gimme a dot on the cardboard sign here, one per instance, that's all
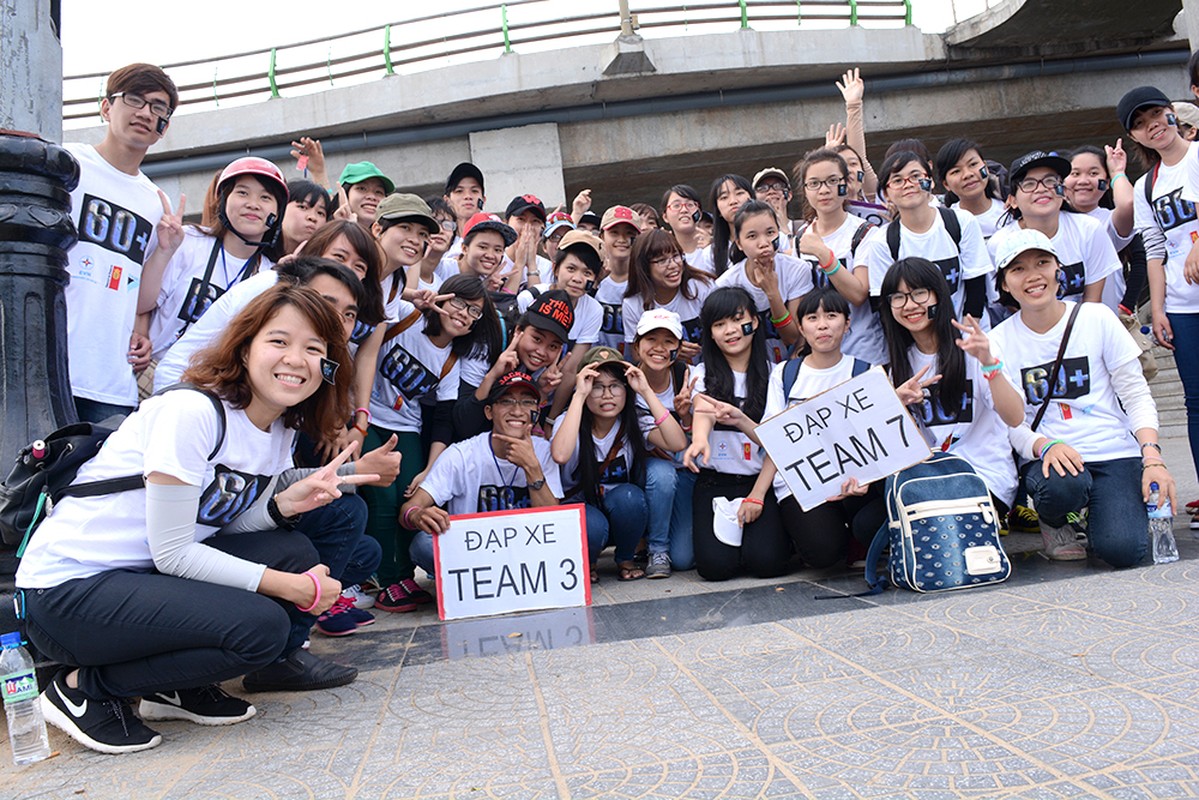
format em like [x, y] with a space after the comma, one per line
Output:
[506, 561]
[858, 429]
[539, 630]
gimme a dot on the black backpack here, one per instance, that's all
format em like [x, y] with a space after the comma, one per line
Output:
[791, 372]
[45, 468]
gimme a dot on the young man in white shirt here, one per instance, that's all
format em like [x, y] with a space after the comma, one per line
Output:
[116, 209]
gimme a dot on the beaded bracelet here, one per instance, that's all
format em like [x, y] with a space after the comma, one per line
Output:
[316, 584]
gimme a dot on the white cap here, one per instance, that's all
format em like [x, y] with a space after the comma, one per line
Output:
[771, 172]
[657, 318]
[1021, 240]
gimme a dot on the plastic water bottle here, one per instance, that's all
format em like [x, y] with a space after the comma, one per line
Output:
[1161, 527]
[26, 726]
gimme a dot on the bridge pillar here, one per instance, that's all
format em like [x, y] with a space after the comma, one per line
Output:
[1190, 19]
[521, 160]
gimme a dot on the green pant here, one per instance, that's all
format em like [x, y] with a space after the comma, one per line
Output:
[383, 505]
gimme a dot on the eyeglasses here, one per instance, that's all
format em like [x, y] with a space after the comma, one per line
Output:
[766, 188]
[814, 185]
[157, 108]
[600, 389]
[528, 403]
[449, 225]
[458, 304]
[900, 299]
[1050, 182]
[900, 181]
[662, 261]
[683, 205]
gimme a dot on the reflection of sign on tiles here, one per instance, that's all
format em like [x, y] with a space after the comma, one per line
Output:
[507, 561]
[858, 429]
[543, 630]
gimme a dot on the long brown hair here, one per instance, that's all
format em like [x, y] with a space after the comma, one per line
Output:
[221, 368]
[368, 250]
[647, 247]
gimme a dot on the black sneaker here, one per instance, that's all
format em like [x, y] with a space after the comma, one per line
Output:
[106, 726]
[299, 671]
[208, 705]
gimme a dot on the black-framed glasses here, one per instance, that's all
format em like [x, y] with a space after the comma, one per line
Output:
[814, 185]
[600, 389]
[900, 299]
[458, 304]
[528, 403]
[157, 108]
[773, 187]
[1050, 182]
[662, 261]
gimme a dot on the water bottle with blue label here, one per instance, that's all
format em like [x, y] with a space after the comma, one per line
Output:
[1161, 526]
[26, 726]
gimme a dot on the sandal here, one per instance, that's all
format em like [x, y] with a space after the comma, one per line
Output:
[629, 571]
[593, 574]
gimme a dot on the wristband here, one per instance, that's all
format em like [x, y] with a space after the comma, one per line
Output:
[998, 365]
[316, 584]
[360, 429]
[1154, 445]
[661, 419]
[753, 500]
[1126, 310]
[1117, 177]
[1048, 445]
[366, 411]
[272, 508]
[781, 321]
[407, 514]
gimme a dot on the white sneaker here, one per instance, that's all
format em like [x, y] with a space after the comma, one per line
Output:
[359, 598]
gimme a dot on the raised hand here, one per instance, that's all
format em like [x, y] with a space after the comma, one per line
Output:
[637, 381]
[508, 360]
[383, 461]
[911, 391]
[586, 379]
[343, 206]
[309, 155]
[835, 136]
[682, 400]
[581, 204]
[551, 377]
[320, 487]
[852, 86]
[1116, 158]
[975, 342]
[170, 226]
[811, 244]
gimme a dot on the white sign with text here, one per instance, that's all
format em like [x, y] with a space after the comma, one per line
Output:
[506, 561]
[858, 429]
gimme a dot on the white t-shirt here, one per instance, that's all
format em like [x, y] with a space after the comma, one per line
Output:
[208, 328]
[171, 434]
[610, 295]
[733, 453]
[808, 383]
[1175, 191]
[115, 215]
[468, 478]
[1085, 411]
[988, 221]
[410, 368]
[688, 310]
[179, 304]
[1083, 249]
[975, 431]
[619, 469]
[935, 244]
[865, 336]
[1114, 286]
[701, 259]
[795, 280]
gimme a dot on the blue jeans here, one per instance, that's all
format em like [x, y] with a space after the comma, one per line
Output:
[1118, 527]
[1186, 329]
[660, 481]
[625, 505]
[95, 412]
[682, 550]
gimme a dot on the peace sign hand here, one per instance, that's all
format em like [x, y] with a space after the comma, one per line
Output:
[682, 400]
[911, 391]
[509, 360]
[1117, 159]
[343, 206]
[170, 226]
[975, 342]
[551, 376]
[320, 487]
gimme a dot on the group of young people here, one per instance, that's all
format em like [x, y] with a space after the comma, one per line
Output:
[330, 371]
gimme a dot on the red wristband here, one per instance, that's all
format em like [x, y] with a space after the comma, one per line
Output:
[753, 500]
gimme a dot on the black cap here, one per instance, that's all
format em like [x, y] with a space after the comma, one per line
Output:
[1136, 99]
[523, 203]
[1037, 158]
[590, 218]
[463, 170]
[513, 380]
[551, 312]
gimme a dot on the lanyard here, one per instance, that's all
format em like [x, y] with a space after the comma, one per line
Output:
[515, 469]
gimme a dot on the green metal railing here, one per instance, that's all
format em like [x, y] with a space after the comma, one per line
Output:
[423, 43]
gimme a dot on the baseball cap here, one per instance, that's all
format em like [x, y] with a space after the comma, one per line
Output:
[360, 171]
[661, 318]
[1187, 113]
[589, 218]
[489, 222]
[1136, 99]
[551, 312]
[770, 172]
[572, 238]
[556, 221]
[617, 215]
[516, 379]
[1037, 158]
[602, 354]
[463, 170]
[407, 206]
[1021, 240]
[523, 203]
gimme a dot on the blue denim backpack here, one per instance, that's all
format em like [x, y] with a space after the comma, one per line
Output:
[942, 529]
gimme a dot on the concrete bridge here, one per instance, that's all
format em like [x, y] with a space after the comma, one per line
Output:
[631, 117]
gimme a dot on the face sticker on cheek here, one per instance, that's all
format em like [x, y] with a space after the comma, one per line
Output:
[747, 328]
[589, 286]
[674, 354]
[329, 371]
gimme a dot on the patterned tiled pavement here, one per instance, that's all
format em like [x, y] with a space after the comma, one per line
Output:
[1067, 681]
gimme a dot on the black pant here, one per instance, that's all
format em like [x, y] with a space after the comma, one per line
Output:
[132, 633]
[765, 550]
[821, 536]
